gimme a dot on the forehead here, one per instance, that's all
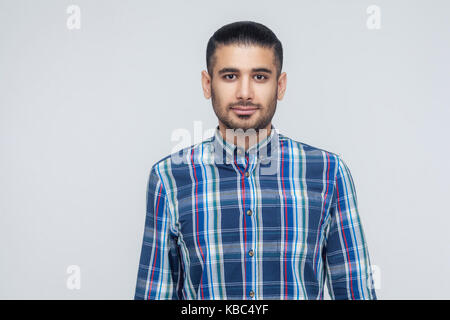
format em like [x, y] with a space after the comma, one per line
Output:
[244, 57]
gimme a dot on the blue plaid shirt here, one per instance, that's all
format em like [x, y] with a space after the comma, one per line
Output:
[272, 222]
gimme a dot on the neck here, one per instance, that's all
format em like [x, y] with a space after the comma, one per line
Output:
[244, 139]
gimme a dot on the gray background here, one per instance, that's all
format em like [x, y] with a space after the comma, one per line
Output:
[85, 113]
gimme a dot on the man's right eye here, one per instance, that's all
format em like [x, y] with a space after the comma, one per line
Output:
[225, 76]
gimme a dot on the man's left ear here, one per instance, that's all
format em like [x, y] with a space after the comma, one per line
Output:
[282, 85]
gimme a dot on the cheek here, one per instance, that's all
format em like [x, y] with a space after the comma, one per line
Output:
[266, 95]
[224, 95]
[226, 89]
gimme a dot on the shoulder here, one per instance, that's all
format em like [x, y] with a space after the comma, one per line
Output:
[308, 150]
[180, 160]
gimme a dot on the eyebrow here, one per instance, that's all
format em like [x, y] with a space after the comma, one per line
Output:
[225, 70]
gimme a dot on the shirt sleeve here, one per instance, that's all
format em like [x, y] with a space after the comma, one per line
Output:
[159, 265]
[349, 273]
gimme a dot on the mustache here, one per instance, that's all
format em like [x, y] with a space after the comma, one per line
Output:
[244, 104]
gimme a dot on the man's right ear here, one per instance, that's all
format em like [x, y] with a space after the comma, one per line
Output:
[206, 84]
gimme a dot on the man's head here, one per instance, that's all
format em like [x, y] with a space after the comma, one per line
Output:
[244, 80]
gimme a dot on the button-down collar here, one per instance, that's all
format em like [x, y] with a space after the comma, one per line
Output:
[263, 150]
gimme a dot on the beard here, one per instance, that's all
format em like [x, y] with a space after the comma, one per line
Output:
[260, 120]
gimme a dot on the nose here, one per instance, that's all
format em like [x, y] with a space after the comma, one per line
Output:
[245, 89]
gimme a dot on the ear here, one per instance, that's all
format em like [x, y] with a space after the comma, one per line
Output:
[206, 84]
[281, 86]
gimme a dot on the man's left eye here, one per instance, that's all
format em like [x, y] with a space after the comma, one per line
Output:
[260, 75]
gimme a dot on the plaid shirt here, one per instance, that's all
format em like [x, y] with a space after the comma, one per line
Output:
[272, 222]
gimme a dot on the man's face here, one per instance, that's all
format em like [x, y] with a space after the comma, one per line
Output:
[244, 87]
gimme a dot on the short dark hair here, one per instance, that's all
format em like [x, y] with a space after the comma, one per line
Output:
[245, 33]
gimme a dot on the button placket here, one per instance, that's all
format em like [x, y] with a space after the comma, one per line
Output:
[249, 225]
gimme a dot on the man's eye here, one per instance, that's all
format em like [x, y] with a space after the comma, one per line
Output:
[260, 76]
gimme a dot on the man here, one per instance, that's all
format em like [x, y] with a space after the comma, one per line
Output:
[250, 213]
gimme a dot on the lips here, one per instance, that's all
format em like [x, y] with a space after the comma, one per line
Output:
[244, 110]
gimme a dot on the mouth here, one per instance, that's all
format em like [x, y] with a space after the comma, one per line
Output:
[244, 110]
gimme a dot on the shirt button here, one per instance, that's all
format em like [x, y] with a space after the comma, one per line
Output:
[251, 294]
[249, 212]
[250, 253]
[247, 174]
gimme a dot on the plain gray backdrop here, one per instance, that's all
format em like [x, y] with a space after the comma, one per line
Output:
[85, 113]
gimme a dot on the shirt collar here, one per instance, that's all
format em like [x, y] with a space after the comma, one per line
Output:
[264, 149]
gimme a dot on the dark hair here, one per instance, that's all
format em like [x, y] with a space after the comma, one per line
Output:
[245, 33]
